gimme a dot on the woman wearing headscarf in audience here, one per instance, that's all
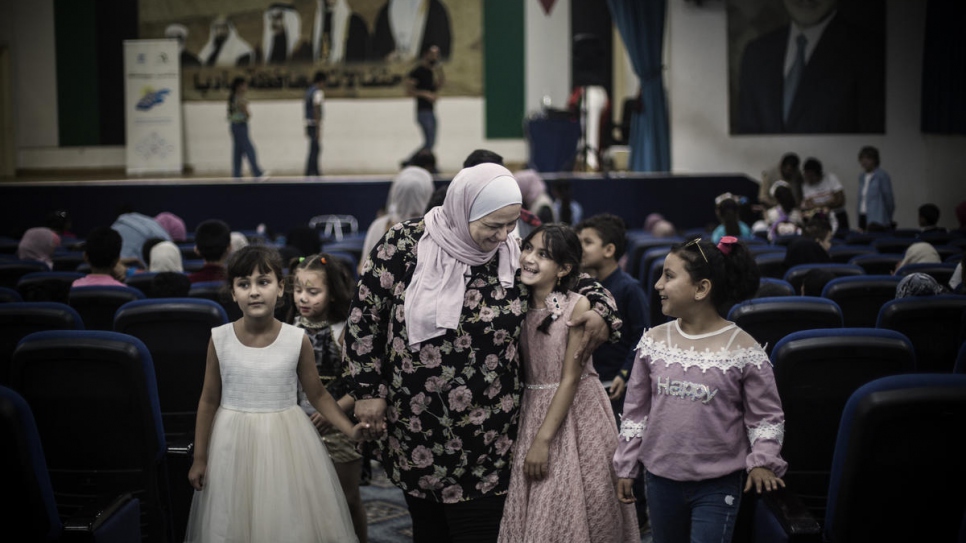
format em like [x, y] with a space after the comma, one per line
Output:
[918, 284]
[238, 240]
[173, 225]
[431, 348]
[409, 193]
[920, 252]
[38, 244]
[165, 257]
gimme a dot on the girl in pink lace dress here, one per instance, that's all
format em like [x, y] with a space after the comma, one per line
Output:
[562, 484]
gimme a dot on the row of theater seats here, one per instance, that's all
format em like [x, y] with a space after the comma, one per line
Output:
[115, 410]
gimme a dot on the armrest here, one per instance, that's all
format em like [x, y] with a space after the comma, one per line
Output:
[789, 510]
[119, 515]
[181, 447]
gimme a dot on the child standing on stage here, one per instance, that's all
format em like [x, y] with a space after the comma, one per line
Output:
[321, 289]
[562, 486]
[261, 471]
[702, 413]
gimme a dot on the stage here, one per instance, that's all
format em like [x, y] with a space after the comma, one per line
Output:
[281, 203]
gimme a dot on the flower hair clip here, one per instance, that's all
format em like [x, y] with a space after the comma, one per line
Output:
[726, 243]
[553, 304]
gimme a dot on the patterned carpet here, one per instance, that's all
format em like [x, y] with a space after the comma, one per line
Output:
[386, 510]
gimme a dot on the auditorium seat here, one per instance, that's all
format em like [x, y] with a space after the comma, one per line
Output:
[49, 286]
[770, 319]
[97, 304]
[142, 281]
[216, 291]
[12, 270]
[816, 371]
[20, 319]
[843, 253]
[30, 510]
[771, 264]
[960, 366]
[796, 274]
[893, 430]
[774, 287]
[862, 238]
[636, 247]
[941, 272]
[95, 400]
[861, 297]
[179, 367]
[892, 245]
[948, 251]
[348, 259]
[644, 267]
[67, 261]
[877, 264]
[8, 295]
[932, 323]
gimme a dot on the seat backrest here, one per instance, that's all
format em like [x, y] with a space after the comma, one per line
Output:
[796, 274]
[97, 304]
[644, 267]
[770, 319]
[29, 507]
[939, 271]
[844, 253]
[50, 286]
[960, 366]
[932, 323]
[20, 319]
[95, 400]
[775, 287]
[816, 371]
[638, 245]
[771, 264]
[889, 245]
[179, 364]
[877, 264]
[861, 297]
[8, 295]
[216, 292]
[11, 271]
[892, 430]
[68, 261]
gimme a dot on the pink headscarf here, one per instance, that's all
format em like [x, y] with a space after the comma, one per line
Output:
[38, 244]
[173, 225]
[434, 297]
[531, 186]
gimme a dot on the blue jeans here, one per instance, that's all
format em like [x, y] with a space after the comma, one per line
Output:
[427, 123]
[312, 165]
[242, 145]
[695, 511]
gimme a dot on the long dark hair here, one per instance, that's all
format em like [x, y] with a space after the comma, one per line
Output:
[338, 282]
[728, 213]
[563, 247]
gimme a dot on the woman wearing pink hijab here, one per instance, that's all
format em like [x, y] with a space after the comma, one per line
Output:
[173, 225]
[431, 346]
[38, 244]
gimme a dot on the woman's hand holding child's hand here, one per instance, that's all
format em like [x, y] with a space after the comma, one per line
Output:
[763, 478]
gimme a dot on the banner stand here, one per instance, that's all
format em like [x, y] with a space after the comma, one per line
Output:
[152, 90]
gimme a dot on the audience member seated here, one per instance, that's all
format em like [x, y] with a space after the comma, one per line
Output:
[165, 257]
[238, 240]
[136, 228]
[173, 225]
[783, 219]
[60, 222]
[929, 219]
[919, 284]
[301, 241]
[786, 170]
[920, 252]
[146, 251]
[38, 244]
[424, 159]
[102, 250]
[656, 225]
[806, 251]
[170, 284]
[409, 193]
[212, 243]
[730, 224]
[482, 156]
[822, 191]
[815, 280]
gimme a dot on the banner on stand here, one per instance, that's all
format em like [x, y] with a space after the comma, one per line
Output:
[152, 88]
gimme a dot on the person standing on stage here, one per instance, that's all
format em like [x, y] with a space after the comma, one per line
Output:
[424, 83]
[314, 97]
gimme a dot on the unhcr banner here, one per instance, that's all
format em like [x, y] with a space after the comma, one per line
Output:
[152, 90]
[365, 47]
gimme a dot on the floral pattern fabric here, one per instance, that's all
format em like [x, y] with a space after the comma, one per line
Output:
[453, 402]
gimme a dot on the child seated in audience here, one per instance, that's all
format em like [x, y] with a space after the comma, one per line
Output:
[929, 219]
[726, 209]
[212, 243]
[102, 250]
[38, 244]
[170, 284]
[784, 219]
[815, 280]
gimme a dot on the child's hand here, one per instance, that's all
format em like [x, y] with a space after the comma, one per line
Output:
[763, 478]
[196, 475]
[537, 463]
[360, 432]
[625, 490]
[321, 423]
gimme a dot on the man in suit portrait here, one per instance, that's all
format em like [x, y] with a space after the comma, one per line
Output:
[819, 73]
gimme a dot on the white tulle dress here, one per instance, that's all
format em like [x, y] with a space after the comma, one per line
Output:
[269, 476]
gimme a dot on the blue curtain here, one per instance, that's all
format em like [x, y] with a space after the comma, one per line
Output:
[641, 25]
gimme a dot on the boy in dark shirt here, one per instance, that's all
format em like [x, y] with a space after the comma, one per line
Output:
[212, 241]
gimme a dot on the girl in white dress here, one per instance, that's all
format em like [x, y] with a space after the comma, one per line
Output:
[260, 470]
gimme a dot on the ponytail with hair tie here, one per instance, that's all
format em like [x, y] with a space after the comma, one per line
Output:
[725, 244]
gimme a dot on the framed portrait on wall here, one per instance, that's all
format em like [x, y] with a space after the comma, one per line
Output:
[806, 66]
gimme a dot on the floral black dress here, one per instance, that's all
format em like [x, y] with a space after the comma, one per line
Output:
[453, 404]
